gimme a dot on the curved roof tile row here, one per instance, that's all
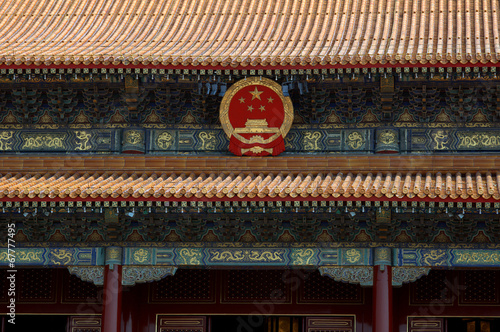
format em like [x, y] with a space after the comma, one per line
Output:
[249, 32]
[250, 185]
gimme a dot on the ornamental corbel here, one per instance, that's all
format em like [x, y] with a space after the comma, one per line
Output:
[403, 275]
[362, 275]
[141, 274]
[93, 274]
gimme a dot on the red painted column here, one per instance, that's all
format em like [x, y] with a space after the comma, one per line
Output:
[382, 298]
[112, 300]
[382, 290]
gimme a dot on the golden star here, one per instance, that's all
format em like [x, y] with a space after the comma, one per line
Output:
[250, 108]
[270, 100]
[262, 108]
[242, 100]
[256, 94]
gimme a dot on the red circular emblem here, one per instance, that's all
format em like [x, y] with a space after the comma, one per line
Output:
[256, 117]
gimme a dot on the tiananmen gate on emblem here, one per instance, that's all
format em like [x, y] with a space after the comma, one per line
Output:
[256, 117]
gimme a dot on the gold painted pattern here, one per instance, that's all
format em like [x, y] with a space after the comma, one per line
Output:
[36, 141]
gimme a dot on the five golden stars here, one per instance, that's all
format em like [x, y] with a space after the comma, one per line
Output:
[256, 95]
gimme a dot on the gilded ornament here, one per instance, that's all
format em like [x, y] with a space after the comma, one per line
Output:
[164, 140]
[208, 140]
[440, 138]
[141, 255]
[387, 137]
[83, 139]
[355, 140]
[303, 257]
[5, 136]
[403, 275]
[434, 257]
[45, 140]
[190, 256]
[353, 255]
[310, 140]
[478, 140]
[134, 137]
[60, 256]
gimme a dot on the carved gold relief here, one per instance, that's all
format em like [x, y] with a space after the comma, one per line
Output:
[353, 256]
[164, 140]
[440, 138]
[134, 137]
[82, 142]
[208, 140]
[475, 140]
[35, 140]
[311, 140]
[355, 140]
[387, 137]
[5, 136]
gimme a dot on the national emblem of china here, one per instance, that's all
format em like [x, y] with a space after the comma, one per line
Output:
[256, 117]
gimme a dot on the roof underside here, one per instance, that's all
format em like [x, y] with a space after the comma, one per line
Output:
[249, 32]
[263, 186]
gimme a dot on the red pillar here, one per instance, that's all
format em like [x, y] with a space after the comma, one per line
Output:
[382, 298]
[112, 301]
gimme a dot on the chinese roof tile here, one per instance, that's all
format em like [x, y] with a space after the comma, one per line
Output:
[253, 186]
[249, 32]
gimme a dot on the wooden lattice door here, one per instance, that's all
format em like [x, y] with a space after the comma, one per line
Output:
[182, 323]
[330, 324]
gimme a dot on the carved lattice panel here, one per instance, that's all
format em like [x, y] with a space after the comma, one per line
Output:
[317, 289]
[181, 323]
[330, 324]
[85, 323]
[38, 285]
[425, 324]
[433, 288]
[481, 287]
[248, 286]
[185, 286]
[76, 290]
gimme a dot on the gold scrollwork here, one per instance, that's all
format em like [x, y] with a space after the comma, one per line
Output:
[34, 141]
[208, 140]
[60, 256]
[164, 140]
[28, 256]
[84, 138]
[311, 140]
[134, 137]
[434, 257]
[477, 257]
[355, 140]
[5, 136]
[387, 137]
[302, 256]
[141, 255]
[440, 138]
[475, 140]
[353, 255]
[190, 256]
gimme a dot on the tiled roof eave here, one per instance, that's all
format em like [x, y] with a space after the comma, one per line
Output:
[245, 34]
[386, 186]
